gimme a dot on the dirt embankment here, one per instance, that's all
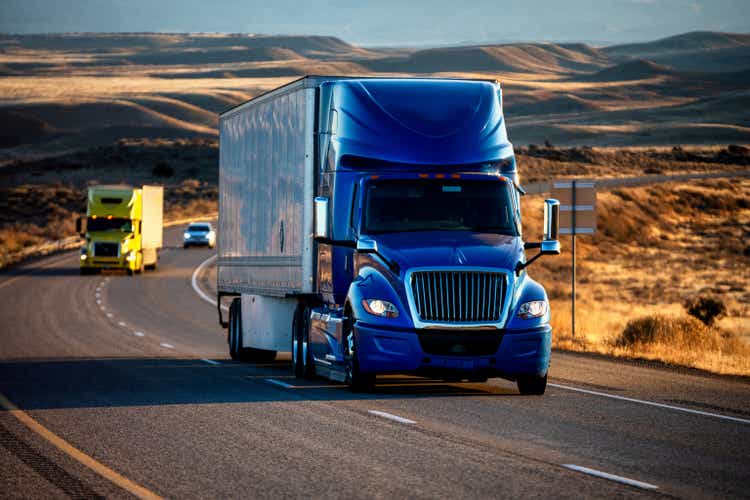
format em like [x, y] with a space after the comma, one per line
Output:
[655, 248]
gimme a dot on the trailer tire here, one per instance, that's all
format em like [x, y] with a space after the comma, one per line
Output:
[236, 350]
[532, 385]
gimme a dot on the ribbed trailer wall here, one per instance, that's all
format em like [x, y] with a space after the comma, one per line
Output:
[266, 194]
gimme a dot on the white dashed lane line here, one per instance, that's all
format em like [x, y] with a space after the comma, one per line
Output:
[121, 323]
[139, 334]
[611, 477]
[166, 346]
[279, 383]
[109, 315]
[390, 416]
[210, 361]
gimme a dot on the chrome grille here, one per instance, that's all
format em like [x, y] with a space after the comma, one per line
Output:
[106, 249]
[458, 296]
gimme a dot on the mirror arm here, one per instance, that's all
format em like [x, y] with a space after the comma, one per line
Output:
[392, 264]
[532, 244]
[523, 265]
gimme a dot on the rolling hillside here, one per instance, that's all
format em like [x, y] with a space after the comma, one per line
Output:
[81, 90]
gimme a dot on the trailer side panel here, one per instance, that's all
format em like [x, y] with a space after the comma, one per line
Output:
[266, 196]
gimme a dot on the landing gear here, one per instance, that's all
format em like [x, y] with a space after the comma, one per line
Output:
[236, 350]
[532, 385]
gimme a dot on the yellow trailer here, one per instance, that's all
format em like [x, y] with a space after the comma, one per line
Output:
[123, 228]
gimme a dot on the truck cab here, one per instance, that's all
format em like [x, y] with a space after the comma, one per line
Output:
[120, 230]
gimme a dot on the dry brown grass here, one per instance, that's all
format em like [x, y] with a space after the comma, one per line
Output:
[654, 247]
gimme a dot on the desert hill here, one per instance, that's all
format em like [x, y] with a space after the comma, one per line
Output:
[697, 51]
[69, 91]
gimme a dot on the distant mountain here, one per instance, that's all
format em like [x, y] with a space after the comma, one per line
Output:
[526, 57]
[695, 51]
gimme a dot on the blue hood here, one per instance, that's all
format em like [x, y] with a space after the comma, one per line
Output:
[420, 121]
[450, 248]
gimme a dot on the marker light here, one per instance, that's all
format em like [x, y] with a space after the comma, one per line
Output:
[381, 308]
[533, 309]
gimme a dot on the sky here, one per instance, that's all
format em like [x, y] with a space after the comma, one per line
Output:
[388, 22]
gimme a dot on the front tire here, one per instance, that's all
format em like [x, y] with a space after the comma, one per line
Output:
[302, 360]
[356, 379]
[532, 385]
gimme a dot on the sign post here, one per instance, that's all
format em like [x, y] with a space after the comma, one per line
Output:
[577, 216]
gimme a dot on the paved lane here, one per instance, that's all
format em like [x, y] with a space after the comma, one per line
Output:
[152, 409]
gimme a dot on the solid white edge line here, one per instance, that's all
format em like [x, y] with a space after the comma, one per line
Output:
[194, 282]
[279, 383]
[210, 361]
[390, 416]
[167, 346]
[653, 403]
[611, 477]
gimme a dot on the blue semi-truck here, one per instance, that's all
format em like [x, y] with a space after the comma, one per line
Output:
[373, 226]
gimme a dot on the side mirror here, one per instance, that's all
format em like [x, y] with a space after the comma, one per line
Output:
[366, 245]
[551, 245]
[81, 226]
[321, 218]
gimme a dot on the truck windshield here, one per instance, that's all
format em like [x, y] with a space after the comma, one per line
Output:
[113, 224]
[394, 206]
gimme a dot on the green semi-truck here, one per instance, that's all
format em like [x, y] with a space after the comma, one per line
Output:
[123, 228]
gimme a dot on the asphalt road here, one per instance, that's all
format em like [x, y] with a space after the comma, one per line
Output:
[133, 374]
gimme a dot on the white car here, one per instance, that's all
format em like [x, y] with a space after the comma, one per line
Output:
[199, 233]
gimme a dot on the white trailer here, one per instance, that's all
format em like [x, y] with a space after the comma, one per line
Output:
[265, 245]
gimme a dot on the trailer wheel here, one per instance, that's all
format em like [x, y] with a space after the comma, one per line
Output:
[236, 350]
[355, 378]
[233, 336]
[532, 385]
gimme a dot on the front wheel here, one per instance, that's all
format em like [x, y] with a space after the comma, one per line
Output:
[532, 385]
[356, 379]
[302, 362]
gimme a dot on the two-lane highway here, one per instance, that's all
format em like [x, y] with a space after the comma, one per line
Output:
[121, 385]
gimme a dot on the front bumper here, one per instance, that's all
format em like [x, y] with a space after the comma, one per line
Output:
[196, 240]
[106, 263]
[518, 352]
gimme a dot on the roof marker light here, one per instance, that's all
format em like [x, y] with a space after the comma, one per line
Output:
[423, 176]
[455, 176]
[440, 176]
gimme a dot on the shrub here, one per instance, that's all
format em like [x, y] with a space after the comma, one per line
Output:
[706, 308]
[162, 169]
[681, 333]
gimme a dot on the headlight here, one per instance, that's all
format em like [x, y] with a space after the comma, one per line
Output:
[533, 309]
[381, 308]
[84, 253]
[130, 257]
[186, 236]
